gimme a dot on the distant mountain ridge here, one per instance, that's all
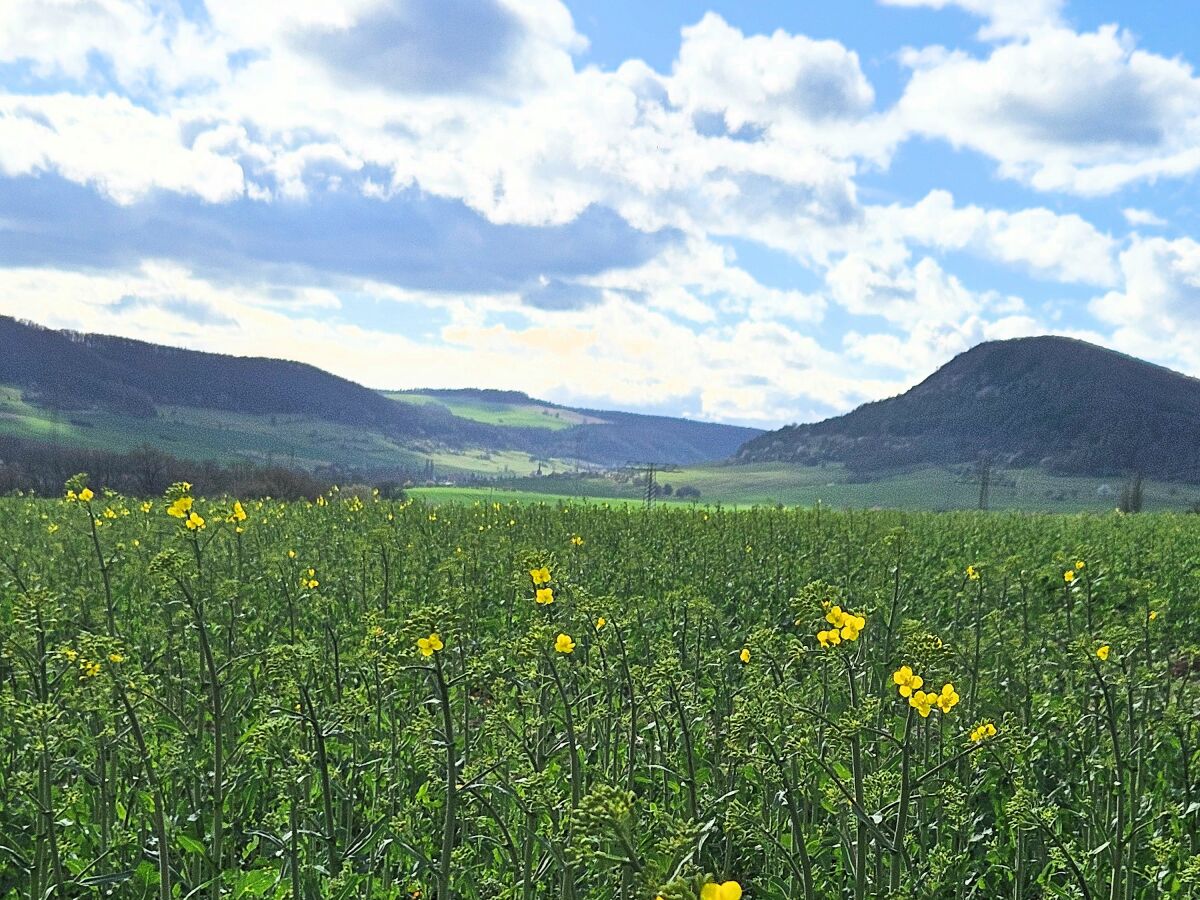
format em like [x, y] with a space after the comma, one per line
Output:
[84, 373]
[1055, 403]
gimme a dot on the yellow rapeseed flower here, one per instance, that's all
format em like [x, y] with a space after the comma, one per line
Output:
[923, 703]
[852, 625]
[1153, 615]
[180, 508]
[835, 617]
[982, 732]
[601, 622]
[89, 668]
[545, 596]
[948, 698]
[430, 645]
[1069, 576]
[116, 658]
[1103, 652]
[729, 890]
[972, 573]
[906, 681]
[830, 638]
[744, 656]
[238, 514]
[1079, 564]
[540, 576]
[86, 495]
[564, 644]
[577, 541]
[195, 522]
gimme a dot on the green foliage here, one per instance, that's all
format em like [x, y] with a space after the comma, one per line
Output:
[359, 698]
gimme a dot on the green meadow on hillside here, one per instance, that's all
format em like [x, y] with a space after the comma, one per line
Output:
[507, 414]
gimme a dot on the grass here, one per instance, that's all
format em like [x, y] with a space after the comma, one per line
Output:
[770, 484]
[494, 462]
[509, 415]
[929, 488]
[439, 495]
[208, 434]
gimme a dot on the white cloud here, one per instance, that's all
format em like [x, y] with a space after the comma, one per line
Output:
[146, 49]
[1005, 18]
[1143, 217]
[921, 350]
[111, 143]
[1051, 245]
[929, 315]
[1062, 111]
[1154, 315]
[762, 79]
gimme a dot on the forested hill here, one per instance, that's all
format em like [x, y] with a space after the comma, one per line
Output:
[72, 371]
[84, 377]
[1055, 403]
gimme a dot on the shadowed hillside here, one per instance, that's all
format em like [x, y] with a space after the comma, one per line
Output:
[141, 390]
[1049, 402]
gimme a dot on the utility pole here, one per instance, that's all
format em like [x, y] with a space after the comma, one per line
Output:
[985, 479]
[651, 485]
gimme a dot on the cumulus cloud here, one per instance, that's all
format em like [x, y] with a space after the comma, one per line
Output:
[1005, 18]
[146, 50]
[760, 79]
[924, 315]
[1142, 217]
[1062, 247]
[1085, 113]
[1154, 312]
[442, 47]
[121, 148]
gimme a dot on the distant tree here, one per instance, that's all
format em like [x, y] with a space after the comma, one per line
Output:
[391, 490]
[1131, 495]
[688, 492]
[150, 468]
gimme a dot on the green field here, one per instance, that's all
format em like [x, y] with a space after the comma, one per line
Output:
[770, 484]
[490, 699]
[436, 495]
[930, 488]
[509, 415]
[208, 434]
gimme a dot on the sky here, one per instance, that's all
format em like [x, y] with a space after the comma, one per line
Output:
[757, 213]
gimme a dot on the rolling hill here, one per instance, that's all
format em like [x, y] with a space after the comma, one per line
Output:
[113, 393]
[1051, 403]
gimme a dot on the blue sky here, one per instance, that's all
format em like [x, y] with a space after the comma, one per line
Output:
[755, 213]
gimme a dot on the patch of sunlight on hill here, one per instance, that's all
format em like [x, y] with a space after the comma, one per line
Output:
[508, 415]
